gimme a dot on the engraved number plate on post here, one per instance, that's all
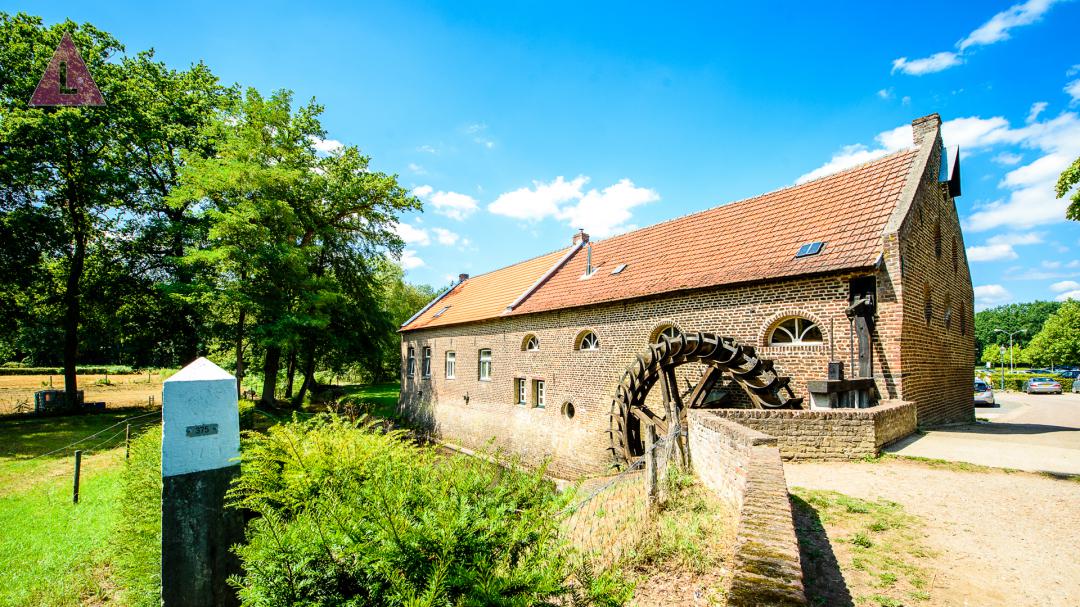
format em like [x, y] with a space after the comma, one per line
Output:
[201, 430]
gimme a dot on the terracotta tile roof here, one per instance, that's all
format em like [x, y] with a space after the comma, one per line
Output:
[486, 295]
[750, 240]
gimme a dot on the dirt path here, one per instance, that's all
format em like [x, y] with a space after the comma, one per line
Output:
[1000, 538]
[122, 391]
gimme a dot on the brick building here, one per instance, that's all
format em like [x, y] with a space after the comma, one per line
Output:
[527, 357]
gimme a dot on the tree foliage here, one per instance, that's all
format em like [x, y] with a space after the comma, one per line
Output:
[1011, 318]
[357, 516]
[1068, 181]
[1059, 340]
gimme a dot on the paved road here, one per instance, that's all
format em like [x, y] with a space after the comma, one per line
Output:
[1037, 432]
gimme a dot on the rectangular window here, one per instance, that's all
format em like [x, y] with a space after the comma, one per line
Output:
[451, 365]
[538, 393]
[410, 363]
[485, 365]
[425, 362]
[519, 386]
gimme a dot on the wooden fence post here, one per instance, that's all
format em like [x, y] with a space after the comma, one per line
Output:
[127, 441]
[200, 456]
[75, 488]
[651, 485]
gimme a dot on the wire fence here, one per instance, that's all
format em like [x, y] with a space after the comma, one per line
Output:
[613, 511]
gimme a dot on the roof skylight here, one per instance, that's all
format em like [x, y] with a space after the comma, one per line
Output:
[440, 312]
[619, 268]
[810, 248]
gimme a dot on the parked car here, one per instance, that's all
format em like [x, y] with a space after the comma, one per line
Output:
[1076, 387]
[1042, 385]
[984, 394]
[1069, 373]
[1038, 372]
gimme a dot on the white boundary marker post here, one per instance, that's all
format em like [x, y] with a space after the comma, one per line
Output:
[200, 455]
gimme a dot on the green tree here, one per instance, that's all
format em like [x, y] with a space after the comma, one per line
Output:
[85, 167]
[1068, 180]
[1010, 318]
[1059, 340]
[291, 232]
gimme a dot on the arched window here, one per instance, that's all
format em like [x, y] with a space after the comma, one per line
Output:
[667, 330]
[795, 331]
[928, 304]
[588, 341]
[530, 343]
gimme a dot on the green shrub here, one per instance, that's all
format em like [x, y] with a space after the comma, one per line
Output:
[136, 541]
[1015, 381]
[356, 516]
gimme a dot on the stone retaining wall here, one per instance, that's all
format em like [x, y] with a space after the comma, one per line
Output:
[743, 467]
[829, 435]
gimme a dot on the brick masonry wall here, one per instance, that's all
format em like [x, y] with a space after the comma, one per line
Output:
[828, 435]
[926, 251]
[579, 446]
[743, 467]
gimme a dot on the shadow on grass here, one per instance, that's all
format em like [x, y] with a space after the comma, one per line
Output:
[822, 578]
[24, 437]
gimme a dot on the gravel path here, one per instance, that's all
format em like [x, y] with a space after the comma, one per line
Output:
[1001, 538]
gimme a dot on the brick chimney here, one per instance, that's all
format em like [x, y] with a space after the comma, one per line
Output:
[927, 126]
[581, 236]
[463, 277]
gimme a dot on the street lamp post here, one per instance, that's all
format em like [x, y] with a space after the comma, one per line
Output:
[1011, 366]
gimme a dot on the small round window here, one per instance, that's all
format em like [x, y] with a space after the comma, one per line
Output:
[795, 331]
[568, 410]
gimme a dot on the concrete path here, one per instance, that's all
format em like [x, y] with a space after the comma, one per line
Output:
[1038, 433]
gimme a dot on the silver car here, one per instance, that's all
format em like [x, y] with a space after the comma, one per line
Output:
[1042, 385]
[984, 394]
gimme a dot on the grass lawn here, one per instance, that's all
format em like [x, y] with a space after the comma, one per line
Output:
[54, 552]
[382, 397]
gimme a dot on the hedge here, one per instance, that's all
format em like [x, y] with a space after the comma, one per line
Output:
[102, 370]
[1015, 382]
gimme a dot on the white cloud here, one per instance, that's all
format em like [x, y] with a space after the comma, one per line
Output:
[885, 93]
[477, 130]
[1073, 89]
[1036, 109]
[451, 204]
[417, 169]
[991, 295]
[454, 205]
[1069, 295]
[410, 261]
[1007, 158]
[326, 146]
[427, 149]
[1065, 285]
[927, 65]
[445, 236]
[1017, 238]
[994, 30]
[412, 234]
[853, 155]
[991, 252]
[601, 213]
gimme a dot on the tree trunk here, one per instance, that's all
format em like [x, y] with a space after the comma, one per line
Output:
[240, 353]
[309, 376]
[290, 373]
[72, 300]
[271, 361]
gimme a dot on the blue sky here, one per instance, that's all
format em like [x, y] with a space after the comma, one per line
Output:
[518, 123]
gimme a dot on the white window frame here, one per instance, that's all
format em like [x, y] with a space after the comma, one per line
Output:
[668, 331]
[589, 345]
[410, 362]
[451, 364]
[520, 387]
[483, 367]
[539, 393]
[532, 344]
[803, 326]
[425, 361]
